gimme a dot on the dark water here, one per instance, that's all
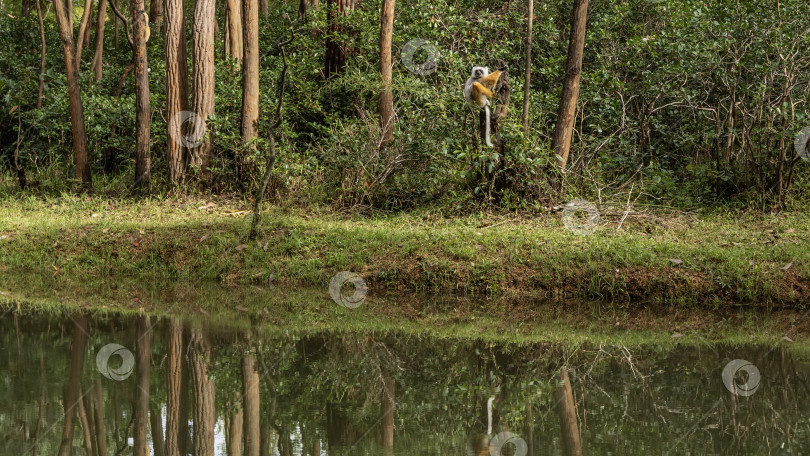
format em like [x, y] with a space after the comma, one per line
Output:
[325, 393]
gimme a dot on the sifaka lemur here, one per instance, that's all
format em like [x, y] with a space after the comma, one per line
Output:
[478, 91]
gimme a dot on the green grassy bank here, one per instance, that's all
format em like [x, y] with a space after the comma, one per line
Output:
[718, 260]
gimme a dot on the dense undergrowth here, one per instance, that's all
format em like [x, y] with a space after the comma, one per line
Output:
[683, 104]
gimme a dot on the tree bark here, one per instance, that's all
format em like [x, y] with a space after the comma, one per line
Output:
[156, 425]
[65, 23]
[250, 387]
[235, 39]
[566, 410]
[84, 27]
[250, 73]
[233, 427]
[203, 73]
[73, 386]
[41, 56]
[336, 51]
[98, 55]
[199, 359]
[155, 14]
[527, 77]
[386, 98]
[84, 421]
[176, 86]
[174, 390]
[143, 121]
[563, 131]
[142, 370]
[264, 7]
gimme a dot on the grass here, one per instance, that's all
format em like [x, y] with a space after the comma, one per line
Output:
[707, 261]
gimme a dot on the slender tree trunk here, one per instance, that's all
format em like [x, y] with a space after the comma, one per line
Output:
[174, 391]
[199, 359]
[203, 73]
[528, 75]
[142, 370]
[176, 86]
[234, 426]
[156, 425]
[115, 22]
[98, 55]
[84, 421]
[235, 39]
[42, 390]
[250, 387]
[143, 121]
[386, 98]
[563, 131]
[568, 416]
[250, 73]
[64, 20]
[387, 414]
[41, 56]
[73, 386]
[155, 14]
[84, 28]
[264, 7]
[98, 403]
[336, 51]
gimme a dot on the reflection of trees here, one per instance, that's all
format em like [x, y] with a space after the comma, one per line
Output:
[73, 386]
[330, 393]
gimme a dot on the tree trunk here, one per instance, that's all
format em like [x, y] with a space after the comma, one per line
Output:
[528, 74]
[41, 56]
[203, 73]
[176, 86]
[174, 369]
[568, 416]
[250, 73]
[98, 403]
[199, 359]
[264, 7]
[563, 131]
[84, 421]
[84, 28]
[386, 98]
[143, 121]
[336, 51]
[155, 13]
[156, 425]
[142, 367]
[235, 39]
[65, 23]
[387, 414]
[233, 427]
[98, 55]
[73, 386]
[250, 388]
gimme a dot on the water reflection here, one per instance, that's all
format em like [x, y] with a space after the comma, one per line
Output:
[201, 389]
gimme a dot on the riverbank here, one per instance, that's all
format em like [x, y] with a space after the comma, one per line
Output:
[752, 260]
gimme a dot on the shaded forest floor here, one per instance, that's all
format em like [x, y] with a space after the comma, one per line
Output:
[750, 260]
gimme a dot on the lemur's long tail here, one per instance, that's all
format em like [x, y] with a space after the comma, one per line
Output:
[489, 143]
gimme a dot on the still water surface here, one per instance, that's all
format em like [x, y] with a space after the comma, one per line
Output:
[147, 385]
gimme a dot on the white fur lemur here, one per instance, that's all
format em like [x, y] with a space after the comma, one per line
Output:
[478, 91]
